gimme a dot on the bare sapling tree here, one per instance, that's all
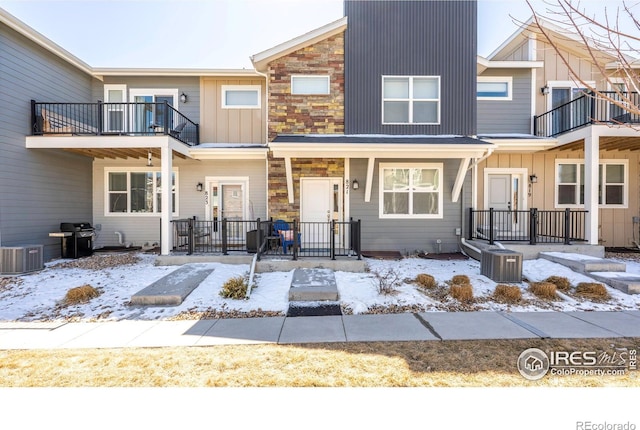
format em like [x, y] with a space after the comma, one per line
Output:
[611, 40]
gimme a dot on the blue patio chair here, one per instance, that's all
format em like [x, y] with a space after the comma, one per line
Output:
[282, 229]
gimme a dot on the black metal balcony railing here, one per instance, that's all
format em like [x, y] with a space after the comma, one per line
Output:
[304, 239]
[533, 226]
[98, 119]
[587, 109]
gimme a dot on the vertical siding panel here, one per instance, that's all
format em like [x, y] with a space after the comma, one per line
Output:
[410, 38]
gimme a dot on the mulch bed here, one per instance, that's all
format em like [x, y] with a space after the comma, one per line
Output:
[444, 256]
[383, 255]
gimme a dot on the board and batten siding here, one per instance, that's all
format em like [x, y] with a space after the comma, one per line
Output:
[616, 228]
[507, 116]
[188, 85]
[39, 188]
[408, 235]
[141, 229]
[410, 38]
[220, 125]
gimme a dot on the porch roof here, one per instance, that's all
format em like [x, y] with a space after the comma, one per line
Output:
[378, 139]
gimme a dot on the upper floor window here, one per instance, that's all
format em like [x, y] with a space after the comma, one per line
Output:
[310, 84]
[495, 88]
[612, 183]
[410, 190]
[411, 99]
[241, 96]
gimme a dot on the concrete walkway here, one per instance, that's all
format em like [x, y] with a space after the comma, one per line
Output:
[427, 326]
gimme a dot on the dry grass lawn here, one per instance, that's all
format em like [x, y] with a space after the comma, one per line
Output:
[375, 364]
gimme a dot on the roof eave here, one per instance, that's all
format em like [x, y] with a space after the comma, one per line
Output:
[261, 59]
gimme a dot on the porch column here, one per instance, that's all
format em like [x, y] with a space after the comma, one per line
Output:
[166, 167]
[591, 163]
[369, 181]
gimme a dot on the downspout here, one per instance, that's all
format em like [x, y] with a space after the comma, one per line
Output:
[481, 159]
[266, 134]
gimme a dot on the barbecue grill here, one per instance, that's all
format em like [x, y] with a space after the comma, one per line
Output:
[76, 239]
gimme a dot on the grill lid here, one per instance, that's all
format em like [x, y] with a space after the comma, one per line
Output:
[76, 226]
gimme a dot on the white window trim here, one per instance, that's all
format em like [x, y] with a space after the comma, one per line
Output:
[325, 77]
[506, 79]
[410, 100]
[625, 184]
[438, 166]
[173, 92]
[564, 84]
[116, 87]
[156, 210]
[225, 88]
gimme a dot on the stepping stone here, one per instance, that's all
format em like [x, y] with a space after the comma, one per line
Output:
[172, 289]
[313, 285]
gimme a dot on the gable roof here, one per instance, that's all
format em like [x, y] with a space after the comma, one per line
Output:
[261, 59]
[41, 40]
[28, 32]
[566, 38]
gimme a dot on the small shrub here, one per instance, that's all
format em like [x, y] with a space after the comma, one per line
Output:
[562, 283]
[386, 281]
[426, 281]
[235, 288]
[460, 280]
[592, 290]
[80, 294]
[462, 293]
[507, 293]
[544, 290]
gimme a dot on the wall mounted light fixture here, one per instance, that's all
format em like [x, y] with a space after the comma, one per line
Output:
[533, 178]
[183, 98]
[354, 184]
[544, 90]
[149, 163]
[199, 186]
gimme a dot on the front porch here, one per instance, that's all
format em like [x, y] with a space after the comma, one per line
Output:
[267, 238]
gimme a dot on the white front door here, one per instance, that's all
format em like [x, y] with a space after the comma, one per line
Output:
[227, 198]
[504, 192]
[320, 202]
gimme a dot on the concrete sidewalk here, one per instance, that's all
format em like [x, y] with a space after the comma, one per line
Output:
[428, 326]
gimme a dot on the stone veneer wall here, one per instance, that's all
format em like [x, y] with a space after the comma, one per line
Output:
[279, 207]
[300, 114]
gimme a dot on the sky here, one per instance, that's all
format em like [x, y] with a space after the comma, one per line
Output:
[214, 33]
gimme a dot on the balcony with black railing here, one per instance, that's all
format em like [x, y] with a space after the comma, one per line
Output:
[605, 107]
[109, 119]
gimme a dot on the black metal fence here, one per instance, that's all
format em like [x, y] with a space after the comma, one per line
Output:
[532, 226]
[96, 119]
[268, 238]
[606, 107]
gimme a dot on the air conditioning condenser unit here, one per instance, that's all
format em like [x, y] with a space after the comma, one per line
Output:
[501, 265]
[16, 260]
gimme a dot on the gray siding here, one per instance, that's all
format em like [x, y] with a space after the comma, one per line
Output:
[38, 188]
[189, 85]
[406, 235]
[146, 228]
[507, 116]
[431, 38]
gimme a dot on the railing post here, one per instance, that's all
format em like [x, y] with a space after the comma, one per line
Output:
[295, 239]
[567, 226]
[190, 237]
[358, 243]
[593, 106]
[471, 222]
[100, 117]
[197, 134]
[34, 121]
[167, 127]
[224, 237]
[491, 229]
[258, 239]
[535, 125]
[533, 226]
[333, 239]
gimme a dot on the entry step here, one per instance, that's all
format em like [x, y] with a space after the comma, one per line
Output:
[584, 263]
[313, 285]
[172, 289]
